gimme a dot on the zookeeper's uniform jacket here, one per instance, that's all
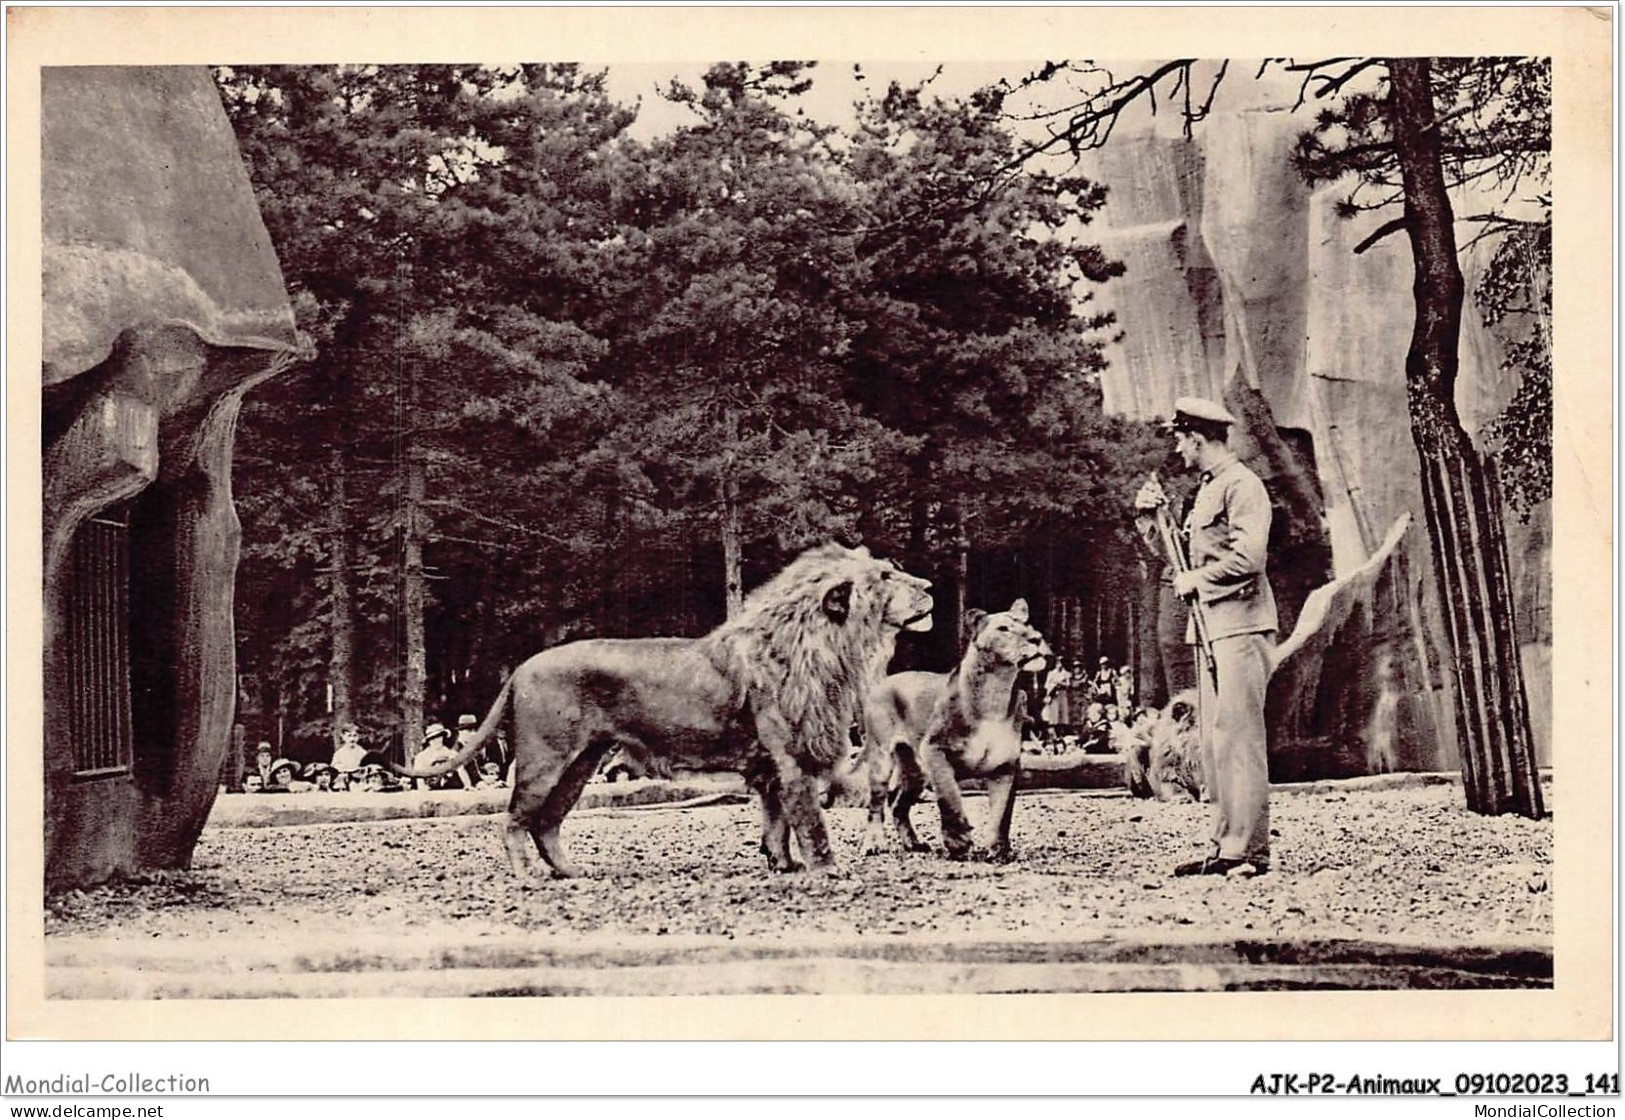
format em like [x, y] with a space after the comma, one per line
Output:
[1229, 530]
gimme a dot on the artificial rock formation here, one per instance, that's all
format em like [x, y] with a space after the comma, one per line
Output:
[163, 303]
[1242, 285]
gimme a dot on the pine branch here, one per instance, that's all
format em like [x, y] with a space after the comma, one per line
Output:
[485, 518]
[1381, 232]
[1330, 84]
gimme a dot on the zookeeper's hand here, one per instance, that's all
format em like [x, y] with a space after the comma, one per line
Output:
[1185, 584]
[1150, 495]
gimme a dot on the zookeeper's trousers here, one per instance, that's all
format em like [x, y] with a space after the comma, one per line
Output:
[1235, 745]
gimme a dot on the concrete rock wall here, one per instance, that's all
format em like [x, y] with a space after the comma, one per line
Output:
[1242, 284]
[163, 305]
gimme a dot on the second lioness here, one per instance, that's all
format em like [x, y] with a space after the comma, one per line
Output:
[971, 729]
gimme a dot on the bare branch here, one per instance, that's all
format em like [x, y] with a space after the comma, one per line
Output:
[1502, 220]
[1330, 85]
[1091, 127]
[1495, 225]
[1310, 67]
[1310, 70]
[1382, 231]
[1207, 103]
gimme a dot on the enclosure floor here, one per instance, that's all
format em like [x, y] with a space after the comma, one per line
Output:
[1089, 889]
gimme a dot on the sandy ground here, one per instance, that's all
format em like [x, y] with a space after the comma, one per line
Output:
[1408, 865]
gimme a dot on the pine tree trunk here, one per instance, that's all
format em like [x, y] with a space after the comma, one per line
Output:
[919, 515]
[1131, 656]
[412, 597]
[237, 760]
[341, 617]
[733, 581]
[281, 715]
[474, 638]
[961, 583]
[1459, 491]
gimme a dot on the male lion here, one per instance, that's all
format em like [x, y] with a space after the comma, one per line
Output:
[770, 693]
[967, 723]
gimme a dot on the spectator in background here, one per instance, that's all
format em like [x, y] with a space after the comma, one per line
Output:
[320, 776]
[1056, 709]
[437, 749]
[372, 777]
[1096, 730]
[1125, 691]
[507, 756]
[1103, 686]
[1116, 721]
[348, 754]
[467, 729]
[284, 777]
[262, 763]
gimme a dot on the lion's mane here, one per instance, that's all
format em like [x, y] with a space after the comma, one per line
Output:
[792, 656]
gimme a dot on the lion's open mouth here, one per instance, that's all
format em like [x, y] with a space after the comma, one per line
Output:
[920, 622]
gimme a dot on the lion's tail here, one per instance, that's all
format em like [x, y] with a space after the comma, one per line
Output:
[492, 718]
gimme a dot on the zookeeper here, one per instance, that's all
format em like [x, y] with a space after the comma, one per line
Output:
[1228, 531]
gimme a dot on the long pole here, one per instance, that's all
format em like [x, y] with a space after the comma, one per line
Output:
[1181, 563]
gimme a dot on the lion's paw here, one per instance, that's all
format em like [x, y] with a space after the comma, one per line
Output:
[872, 844]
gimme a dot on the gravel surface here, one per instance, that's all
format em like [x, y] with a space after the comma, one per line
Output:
[1410, 865]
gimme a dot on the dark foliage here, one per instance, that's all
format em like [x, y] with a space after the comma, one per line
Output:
[598, 380]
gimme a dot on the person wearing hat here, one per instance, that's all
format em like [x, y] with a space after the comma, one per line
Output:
[1227, 536]
[372, 777]
[284, 777]
[436, 749]
[472, 771]
[319, 775]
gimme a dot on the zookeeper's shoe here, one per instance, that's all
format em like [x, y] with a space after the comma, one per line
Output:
[1222, 865]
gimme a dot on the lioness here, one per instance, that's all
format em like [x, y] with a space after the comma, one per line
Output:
[965, 724]
[770, 693]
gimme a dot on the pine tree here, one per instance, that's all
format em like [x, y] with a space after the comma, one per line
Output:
[977, 343]
[731, 338]
[418, 220]
[1428, 126]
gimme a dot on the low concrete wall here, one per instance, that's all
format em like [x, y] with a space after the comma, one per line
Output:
[1098, 772]
[261, 810]
[543, 964]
